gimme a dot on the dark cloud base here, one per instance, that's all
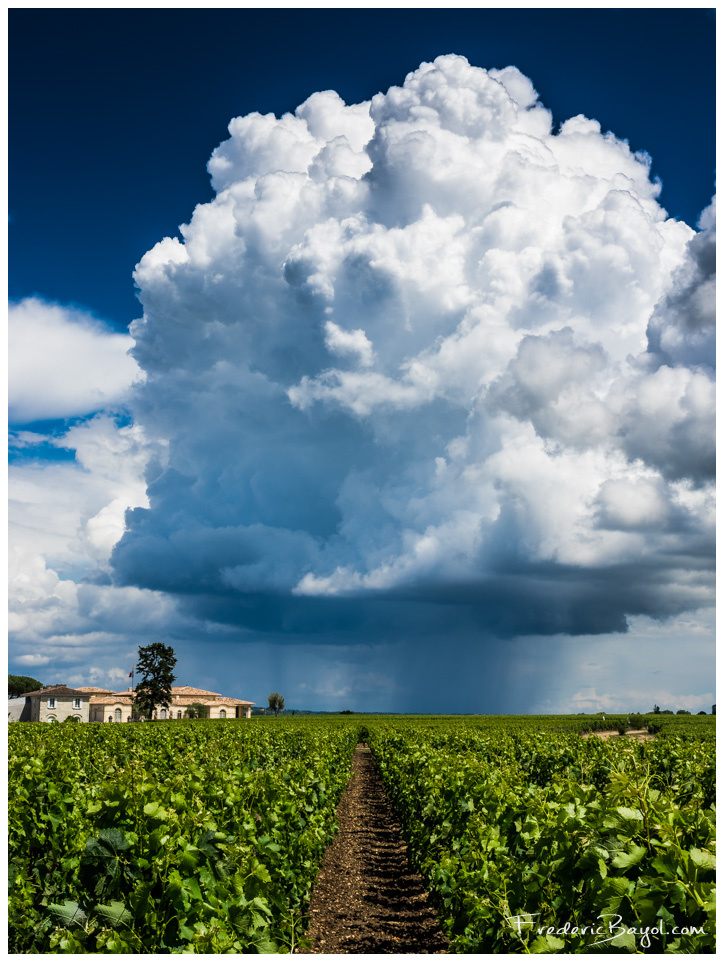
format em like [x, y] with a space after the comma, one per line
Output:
[542, 600]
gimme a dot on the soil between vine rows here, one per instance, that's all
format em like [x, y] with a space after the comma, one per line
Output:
[367, 898]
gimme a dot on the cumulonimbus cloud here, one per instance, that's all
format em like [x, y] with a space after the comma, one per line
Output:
[428, 348]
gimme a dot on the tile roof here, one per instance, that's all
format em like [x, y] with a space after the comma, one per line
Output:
[181, 695]
[57, 690]
[110, 697]
[220, 700]
[93, 690]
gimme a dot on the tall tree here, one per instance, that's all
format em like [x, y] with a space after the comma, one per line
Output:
[20, 684]
[276, 702]
[155, 663]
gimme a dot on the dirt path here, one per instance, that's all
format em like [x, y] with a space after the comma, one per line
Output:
[367, 898]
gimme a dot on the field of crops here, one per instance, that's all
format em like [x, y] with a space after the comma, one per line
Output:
[195, 836]
[524, 836]
[206, 837]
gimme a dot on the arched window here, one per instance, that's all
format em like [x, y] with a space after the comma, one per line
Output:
[117, 714]
[179, 715]
[128, 719]
[162, 713]
[52, 718]
[110, 718]
[222, 713]
[77, 718]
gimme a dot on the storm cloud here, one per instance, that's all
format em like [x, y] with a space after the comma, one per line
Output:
[426, 364]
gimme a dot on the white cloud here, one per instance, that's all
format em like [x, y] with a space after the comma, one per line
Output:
[64, 518]
[64, 363]
[682, 328]
[628, 504]
[70, 512]
[33, 660]
[667, 419]
[115, 678]
[429, 342]
[349, 343]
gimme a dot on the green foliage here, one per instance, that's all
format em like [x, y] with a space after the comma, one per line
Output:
[21, 684]
[145, 839]
[276, 702]
[206, 839]
[73, 719]
[557, 833]
[636, 721]
[196, 710]
[155, 663]
[654, 727]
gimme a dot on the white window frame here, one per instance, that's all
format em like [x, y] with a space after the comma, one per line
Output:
[222, 713]
[51, 703]
[77, 703]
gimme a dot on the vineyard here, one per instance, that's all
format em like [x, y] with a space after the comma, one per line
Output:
[207, 837]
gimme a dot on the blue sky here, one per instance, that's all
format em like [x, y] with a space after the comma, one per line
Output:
[419, 398]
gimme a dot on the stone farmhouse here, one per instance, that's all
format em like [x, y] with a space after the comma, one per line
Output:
[89, 704]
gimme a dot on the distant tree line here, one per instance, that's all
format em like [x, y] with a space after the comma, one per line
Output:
[668, 711]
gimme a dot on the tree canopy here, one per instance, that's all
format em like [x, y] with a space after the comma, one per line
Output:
[196, 710]
[20, 684]
[276, 702]
[155, 663]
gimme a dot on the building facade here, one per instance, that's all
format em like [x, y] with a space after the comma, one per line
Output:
[56, 703]
[90, 704]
